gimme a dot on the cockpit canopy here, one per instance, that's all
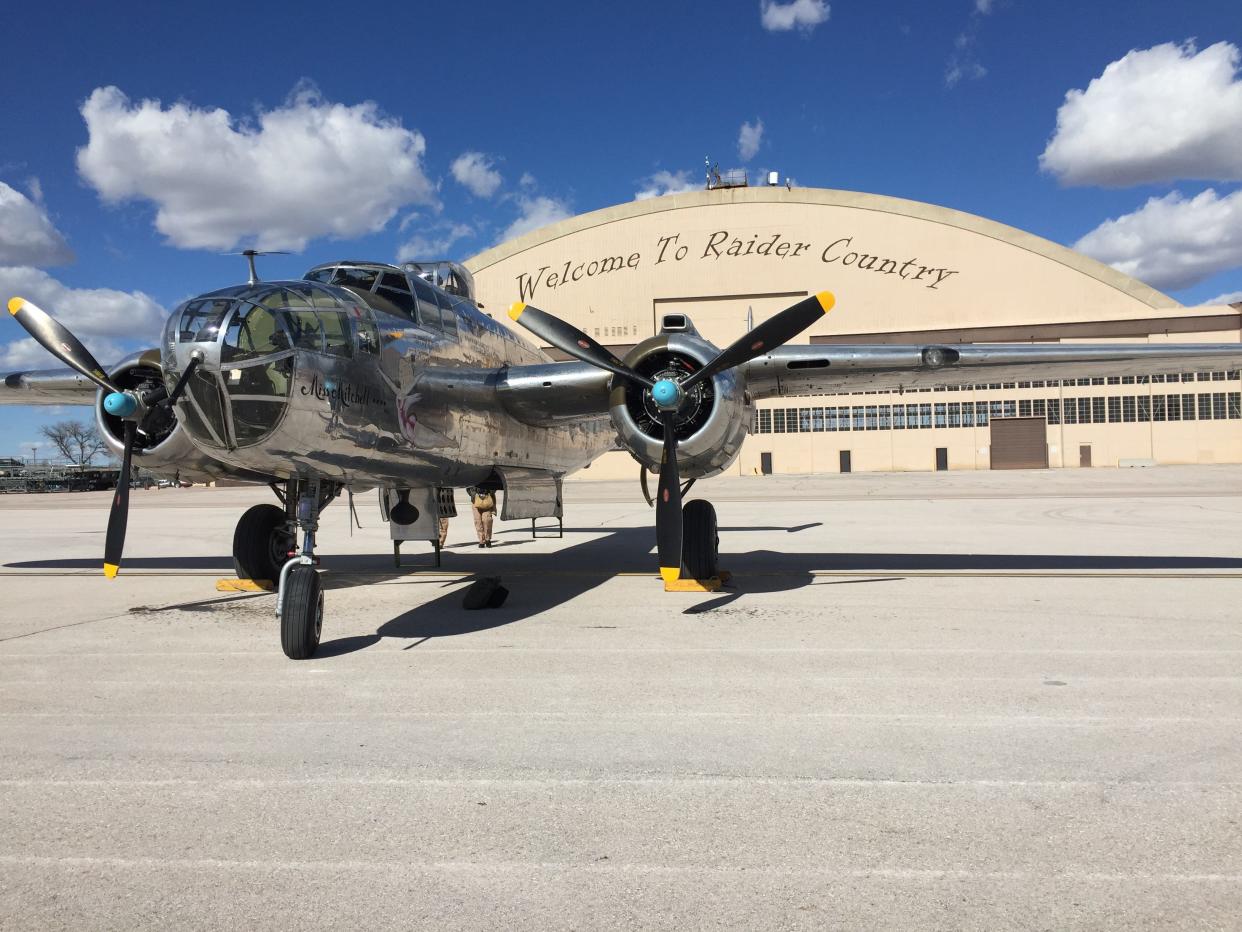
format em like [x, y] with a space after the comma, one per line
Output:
[448, 276]
[257, 320]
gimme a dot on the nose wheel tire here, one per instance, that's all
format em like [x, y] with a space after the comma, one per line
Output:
[700, 549]
[301, 616]
[261, 543]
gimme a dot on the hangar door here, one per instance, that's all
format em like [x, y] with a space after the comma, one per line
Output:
[1019, 443]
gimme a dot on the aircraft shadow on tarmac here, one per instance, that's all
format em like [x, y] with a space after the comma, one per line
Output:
[539, 581]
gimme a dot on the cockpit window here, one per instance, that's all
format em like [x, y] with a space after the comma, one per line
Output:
[253, 331]
[200, 321]
[428, 308]
[355, 278]
[320, 330]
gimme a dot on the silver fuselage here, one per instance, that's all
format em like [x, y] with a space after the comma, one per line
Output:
[303, 379]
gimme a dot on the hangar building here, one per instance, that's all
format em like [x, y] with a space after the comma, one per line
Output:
[902, 271]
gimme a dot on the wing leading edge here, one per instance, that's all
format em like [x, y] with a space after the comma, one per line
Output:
[831, 369]
[47, 387]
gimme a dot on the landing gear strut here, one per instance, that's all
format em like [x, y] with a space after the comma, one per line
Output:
[265, 547]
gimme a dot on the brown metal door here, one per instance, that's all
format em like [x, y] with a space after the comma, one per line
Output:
[1020, 443]
[765, 463]
[942, 459]
[846, 465]
[1084, 455]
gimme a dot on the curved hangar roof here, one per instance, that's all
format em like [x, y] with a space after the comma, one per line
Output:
[894, 265]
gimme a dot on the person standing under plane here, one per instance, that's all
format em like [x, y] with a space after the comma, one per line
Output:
[483, 504]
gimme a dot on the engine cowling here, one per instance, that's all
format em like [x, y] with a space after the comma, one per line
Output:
[712, 422]
[161, 447]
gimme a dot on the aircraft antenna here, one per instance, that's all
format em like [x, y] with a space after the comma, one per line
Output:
[250, 254]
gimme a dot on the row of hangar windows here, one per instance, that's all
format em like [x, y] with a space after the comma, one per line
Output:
[1232, 376]
[1112, 409]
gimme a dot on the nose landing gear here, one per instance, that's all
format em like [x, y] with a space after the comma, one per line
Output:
[265, 548]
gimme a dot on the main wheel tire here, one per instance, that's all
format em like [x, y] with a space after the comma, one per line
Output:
[301, 613]
[700, 547]
[261, 543]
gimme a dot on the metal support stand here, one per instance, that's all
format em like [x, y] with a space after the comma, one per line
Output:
[547, 528]
[396, 553]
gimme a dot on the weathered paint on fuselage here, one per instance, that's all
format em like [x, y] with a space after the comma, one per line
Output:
[392, 413]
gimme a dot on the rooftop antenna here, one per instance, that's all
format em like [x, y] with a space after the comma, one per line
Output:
[251, 253]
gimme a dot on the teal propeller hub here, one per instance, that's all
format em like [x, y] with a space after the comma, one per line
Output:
[665, 393]
[119, 404]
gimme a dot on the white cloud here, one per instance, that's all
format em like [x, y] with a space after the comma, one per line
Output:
[27, 236]
[1231, 297]
[663, 182]
[963, 63]
[1171, 242]
[305, 169]
[963, 68]
[749, 137]
[1155, 115]
[536, 212]
[800, 14]
[87, 312]
[474, 172]
[433, 242]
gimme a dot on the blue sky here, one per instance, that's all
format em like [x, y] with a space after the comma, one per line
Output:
[374, 130]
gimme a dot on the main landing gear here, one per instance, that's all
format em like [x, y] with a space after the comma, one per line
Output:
[700, 548]
[265, 548]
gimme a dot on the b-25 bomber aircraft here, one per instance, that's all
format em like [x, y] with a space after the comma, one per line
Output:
[364, 375]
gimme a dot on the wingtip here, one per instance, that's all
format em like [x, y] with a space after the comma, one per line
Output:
[516, 309]
[110, 570]
[826, 300]
[16, 304]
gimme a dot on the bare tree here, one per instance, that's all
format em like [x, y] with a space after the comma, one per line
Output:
[77, 441]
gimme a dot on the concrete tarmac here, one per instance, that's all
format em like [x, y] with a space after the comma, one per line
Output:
[954, 701]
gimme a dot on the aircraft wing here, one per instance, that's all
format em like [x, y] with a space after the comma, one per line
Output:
[47, 387]
[835, 368]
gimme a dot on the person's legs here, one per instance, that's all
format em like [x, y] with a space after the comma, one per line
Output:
[478, 526]
[487, 527]
[443, 531]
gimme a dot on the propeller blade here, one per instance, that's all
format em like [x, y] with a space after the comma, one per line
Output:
[570, 339]
[54, 337]
[668, 504]
[118, 518]
[770, 334]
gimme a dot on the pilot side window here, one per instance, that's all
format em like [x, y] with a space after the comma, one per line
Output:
[395, 290]
[448, 317]
[362, 279]
[428, 307]
[320, 330]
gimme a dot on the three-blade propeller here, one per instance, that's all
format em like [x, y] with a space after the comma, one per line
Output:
[129, 406]
[669, 394]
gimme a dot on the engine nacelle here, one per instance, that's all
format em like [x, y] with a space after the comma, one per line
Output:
[162, 447]
[712, 422]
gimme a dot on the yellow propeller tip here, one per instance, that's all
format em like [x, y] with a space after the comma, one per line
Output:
[670, 573]
[110, 570]
[826, 300]
[516, 309]
[16, 304]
